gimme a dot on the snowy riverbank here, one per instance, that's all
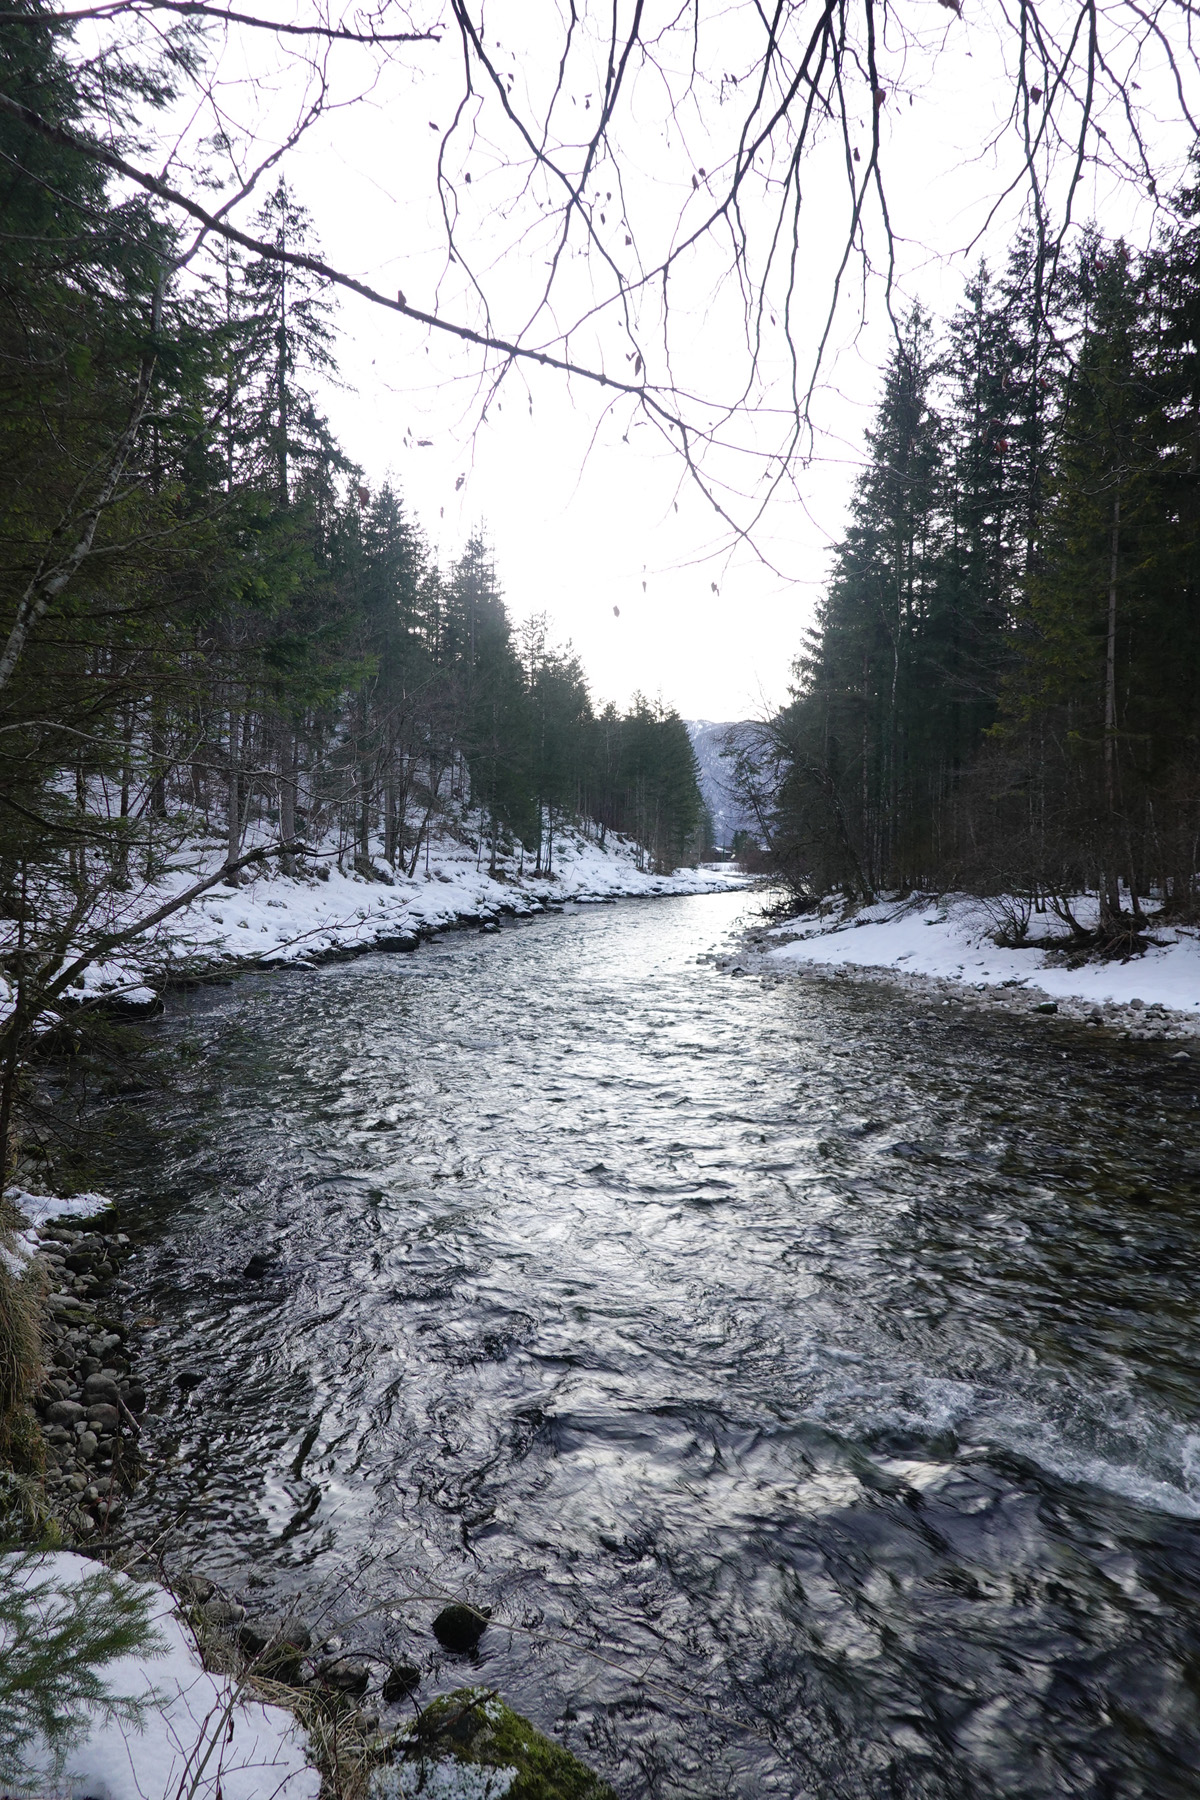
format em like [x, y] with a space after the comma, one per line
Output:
[161, 1724]
[949, 942]
[274, 920]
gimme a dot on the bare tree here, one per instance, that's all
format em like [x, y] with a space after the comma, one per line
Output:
[759, 117]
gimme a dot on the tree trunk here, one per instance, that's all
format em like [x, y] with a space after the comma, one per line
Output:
[1110, 886]
[234, 790]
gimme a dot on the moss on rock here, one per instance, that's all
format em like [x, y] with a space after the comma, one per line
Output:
[470, 1744]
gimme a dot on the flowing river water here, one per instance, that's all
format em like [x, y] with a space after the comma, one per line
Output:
[807, 1378]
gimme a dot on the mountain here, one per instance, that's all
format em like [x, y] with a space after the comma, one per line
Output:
[709, 738]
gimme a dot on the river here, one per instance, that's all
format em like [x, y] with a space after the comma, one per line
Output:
[807, 1378]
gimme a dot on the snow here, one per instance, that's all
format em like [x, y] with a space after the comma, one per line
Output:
[254, 1752]
[38, 1210]
[276, 919]
[442, 1778]
[952, 938]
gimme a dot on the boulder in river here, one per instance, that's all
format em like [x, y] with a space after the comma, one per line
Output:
[473, 1730]
[459, 1628]
[277, 1643]
[401, 1680]
[220, 1613]
[345, 1674]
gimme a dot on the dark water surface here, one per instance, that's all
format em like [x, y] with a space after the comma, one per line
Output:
[808, 1379]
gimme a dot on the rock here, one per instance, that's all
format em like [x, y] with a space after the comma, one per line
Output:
[475, 1729]
[258, 1265]
[274, 1629]
[64, 1412]
[220, 1613]
[187, 1379]
[101, 1390]
[104, 1418]
[459, 1628]
[195, 1588]
[401, 1680]
[86, 1446]
[1047, 1006]
[345, 1674]
[277, 1644]
[1181, 1056]
[135, 1398]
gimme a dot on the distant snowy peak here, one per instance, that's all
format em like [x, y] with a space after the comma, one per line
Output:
[709, 739]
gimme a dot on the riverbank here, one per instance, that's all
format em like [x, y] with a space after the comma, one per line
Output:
[208, 1689]
[328, 908]
[147, 1699]
[945, 946]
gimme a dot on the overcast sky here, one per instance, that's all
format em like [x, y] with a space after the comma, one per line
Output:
[586, 514]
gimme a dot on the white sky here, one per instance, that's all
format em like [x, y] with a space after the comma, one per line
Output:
[581, 520]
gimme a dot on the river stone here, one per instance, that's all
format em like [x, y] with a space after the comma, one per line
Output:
[187, 1379]
[472, 1729]
[401, 1680]
[459, 1628]
[274, 1628]
[221, 1613]
[195, 1588]
[346, 1674]
[1047, 1006]
[101, 1389]
[277, 1646]
[86, 1446]
[258, 1265]
[64, 1412]
[103, 1418]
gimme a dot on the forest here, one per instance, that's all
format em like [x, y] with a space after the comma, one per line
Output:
[1001, 690]
[212, 623]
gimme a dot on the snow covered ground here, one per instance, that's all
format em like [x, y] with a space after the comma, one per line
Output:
[274, 919]
[200, 1735]
[950, 939]
[38, 1210]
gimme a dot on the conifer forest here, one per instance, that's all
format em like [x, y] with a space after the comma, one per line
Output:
[1001, 690]
[213, 621]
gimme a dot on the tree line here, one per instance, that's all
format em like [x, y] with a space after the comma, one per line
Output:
[1001, 690]
[213, 630]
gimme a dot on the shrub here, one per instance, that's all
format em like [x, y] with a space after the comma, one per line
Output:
[58, 1637]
